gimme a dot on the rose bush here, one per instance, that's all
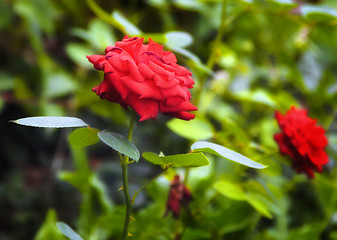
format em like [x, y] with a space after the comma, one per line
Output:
[145, 78]
[302, 140]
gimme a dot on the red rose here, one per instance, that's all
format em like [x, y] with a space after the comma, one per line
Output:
[146, 78]
[178, 195]
[302, 140]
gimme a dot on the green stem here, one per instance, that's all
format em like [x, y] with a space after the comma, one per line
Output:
[124, 163]
[186, 175]
[103, 15]
[215, 48]
[221, 31]
[146, 184]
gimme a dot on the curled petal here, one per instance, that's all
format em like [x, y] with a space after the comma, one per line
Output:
[184, 106]
[146, 108]
[145, 78]
[97, 60]
[181, 115]
[302, 140]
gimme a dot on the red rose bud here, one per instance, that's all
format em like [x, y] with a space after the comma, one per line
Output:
[302, 140]
[179, 195]
[146, 78]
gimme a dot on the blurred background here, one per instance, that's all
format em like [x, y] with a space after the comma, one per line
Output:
[248, 60]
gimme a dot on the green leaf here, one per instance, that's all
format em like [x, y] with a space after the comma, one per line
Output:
[99, 34]
[178, 39]
[318, 13]
[179, 160]
[230, 190]
[83, 137]
[129, 27]
[67, 231]
[51, 122]
[259, 96]
[260, 203]
[6, 80]
[48, 230]
[289, 3]
[225, 153]
[77, 53]
[120, 144]
[197, 129]
[59, 84]
[191, 56]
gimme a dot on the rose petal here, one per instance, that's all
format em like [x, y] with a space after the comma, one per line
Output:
[181, 115]
[146, 89]
[164, 83]
[175, 100]
[97, 60]
[145, 78]
[146, 71]
[184, 106]
[146, 108]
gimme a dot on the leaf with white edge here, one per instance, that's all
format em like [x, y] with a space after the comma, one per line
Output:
[179, 160]
[51, 122]
[83, 137]
[196, 129]
[221, 151]
[230, 190]
[178, 39]
[67, 231]
[284, 2]
[318, 13]
[120, 144]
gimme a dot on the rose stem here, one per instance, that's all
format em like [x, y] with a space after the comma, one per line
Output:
[124, 164]
[211, 61]
[213, 53]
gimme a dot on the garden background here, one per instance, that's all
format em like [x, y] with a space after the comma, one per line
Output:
[248, 59]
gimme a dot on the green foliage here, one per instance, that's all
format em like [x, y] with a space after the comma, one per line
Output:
[93, 191]
[120, 143]
[67, 231]
[248, 60]
[51, 122]
[319, 13]
[179, 160]
[198, 129]
[83, 137]
[225, 153]
[49, 230]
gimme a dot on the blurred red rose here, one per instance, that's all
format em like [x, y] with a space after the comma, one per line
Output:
[179, 195]
[146, 78]
[302, 140]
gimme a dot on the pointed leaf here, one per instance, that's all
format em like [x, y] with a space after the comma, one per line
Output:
[51, 122]
[120, 144]
[318, 13]
[129, 27]
[83, 137]
[197, 129]
[230, 190]
[288, 3]
[178, 39]
[67, 231]
[225, 153]
[179, 160]
[260, 203]
[48, 230]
